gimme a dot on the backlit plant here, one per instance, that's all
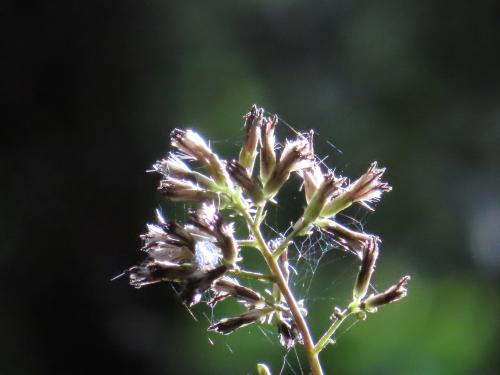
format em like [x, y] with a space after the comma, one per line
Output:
[204, 257]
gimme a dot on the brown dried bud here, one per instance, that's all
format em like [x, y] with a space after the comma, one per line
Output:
[366, 189]
[288, 333]
[241, 177]
[168, 242]
[248, 153]
[193, 145]
[296, 156]
[229, 325]
[393, 294]
[151, 271]
[267, 148]
[198, 282]
[347, 238]
[227, 287]
[366, 269]
[185, 191]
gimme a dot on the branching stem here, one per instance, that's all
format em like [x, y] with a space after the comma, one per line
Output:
[337, 322]
[253, 275]
[297, 228]
[271, 260]
[247, 243]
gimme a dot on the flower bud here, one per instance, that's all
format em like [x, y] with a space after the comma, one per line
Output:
[248, 153]
[151, 271]
[347, 238]
[229, 325]
[194, 146]
[241, 177]
[337, 314]
[184, 191]
[393, 294]
[198, 282]
[267, 148]
[326, 189]
[312, 179]
[366, 189]
[296, 156]
[174, 167]
[368, 261]
[262, 369]
[227, 287]
[288, 333]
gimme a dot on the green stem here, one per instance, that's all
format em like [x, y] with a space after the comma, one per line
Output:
[253, 275]
[297, 228]
[254, 226]
[258, 214]
[247, 243]
[326, 338]
[309, 347]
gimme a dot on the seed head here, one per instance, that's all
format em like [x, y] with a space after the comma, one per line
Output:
[366, 189]
[393, 294]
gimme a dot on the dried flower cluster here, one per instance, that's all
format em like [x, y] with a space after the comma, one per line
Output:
[204, 257]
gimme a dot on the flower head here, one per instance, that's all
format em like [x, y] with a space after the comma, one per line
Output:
[178, 254]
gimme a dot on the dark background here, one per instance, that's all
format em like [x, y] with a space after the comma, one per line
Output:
[91, 91]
